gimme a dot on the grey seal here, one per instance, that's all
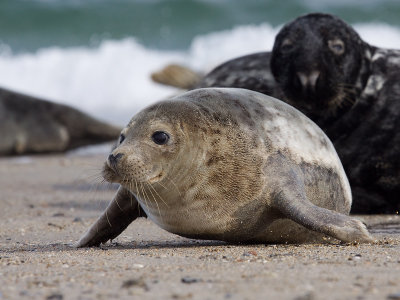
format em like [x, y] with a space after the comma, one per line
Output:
[228, 164]
[32, 125]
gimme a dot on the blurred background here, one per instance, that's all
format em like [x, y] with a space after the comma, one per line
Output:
[97, 55]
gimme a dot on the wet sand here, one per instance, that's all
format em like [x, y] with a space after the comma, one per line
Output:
[47, 202]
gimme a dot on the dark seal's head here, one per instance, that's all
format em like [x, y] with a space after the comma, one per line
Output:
[317, 60]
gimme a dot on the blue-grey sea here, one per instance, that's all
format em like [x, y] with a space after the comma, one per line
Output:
[97, 55]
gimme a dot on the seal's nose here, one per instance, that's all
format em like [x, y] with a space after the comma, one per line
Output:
[308, 79]
[113, 159]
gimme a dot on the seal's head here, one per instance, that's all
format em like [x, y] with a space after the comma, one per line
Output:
[317, 60]
[148, 147]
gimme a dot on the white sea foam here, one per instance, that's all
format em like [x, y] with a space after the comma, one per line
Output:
[380, 35]
[112, 81]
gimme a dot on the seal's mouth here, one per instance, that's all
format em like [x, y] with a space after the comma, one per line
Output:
[109, 174]
[318, 105]
[156, 178]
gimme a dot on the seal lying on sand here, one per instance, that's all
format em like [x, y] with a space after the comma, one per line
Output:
[350, 89]
[31, 125]
[228, 164]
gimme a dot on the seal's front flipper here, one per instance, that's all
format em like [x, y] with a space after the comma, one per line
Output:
[121, 211]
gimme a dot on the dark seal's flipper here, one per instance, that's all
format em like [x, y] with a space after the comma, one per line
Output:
[289, 197]
[121, 211]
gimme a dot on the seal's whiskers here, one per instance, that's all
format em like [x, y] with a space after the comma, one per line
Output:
[108, 220]
[130, 195]
[177, 189]
[162, 185]
[155, 200]
[158, 195]
[144, 197]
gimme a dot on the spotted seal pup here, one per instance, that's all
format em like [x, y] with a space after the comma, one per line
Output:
[228, 164]
[351, 89]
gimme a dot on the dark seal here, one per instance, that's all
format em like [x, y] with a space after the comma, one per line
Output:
[351, 89]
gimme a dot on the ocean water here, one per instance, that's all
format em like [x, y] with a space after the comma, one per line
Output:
[97, 55]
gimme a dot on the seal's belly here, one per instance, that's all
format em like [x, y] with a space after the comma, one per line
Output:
[191, 221]
[204, 222]
[197, 225]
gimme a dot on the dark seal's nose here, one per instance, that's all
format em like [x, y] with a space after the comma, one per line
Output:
[113, 159]
[308, 80]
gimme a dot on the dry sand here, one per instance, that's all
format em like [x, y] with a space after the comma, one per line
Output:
[47, 202]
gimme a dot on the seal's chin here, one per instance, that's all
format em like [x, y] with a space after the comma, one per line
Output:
[325, 98]
[305, 106]
[316, 105]
[109, 174]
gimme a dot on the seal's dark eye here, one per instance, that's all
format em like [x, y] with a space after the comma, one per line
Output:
[121, 138]
[286, 45]
[160, 137]
[336, 46]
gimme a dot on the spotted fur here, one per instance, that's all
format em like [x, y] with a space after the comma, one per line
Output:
[235, 162]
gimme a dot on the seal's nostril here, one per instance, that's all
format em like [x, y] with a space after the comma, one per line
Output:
[303, 78]
[313, 78]
[113, 159]
[118, 156]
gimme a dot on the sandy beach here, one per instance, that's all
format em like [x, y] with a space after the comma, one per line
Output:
[47, 202]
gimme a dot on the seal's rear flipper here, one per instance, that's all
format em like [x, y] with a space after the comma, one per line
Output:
[289, 197]
[337, 225]
[177, 76]
[121, 211]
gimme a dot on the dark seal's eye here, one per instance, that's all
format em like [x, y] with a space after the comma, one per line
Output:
[121, 138]
[160, 137]
[336, 46]
[286, 45]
